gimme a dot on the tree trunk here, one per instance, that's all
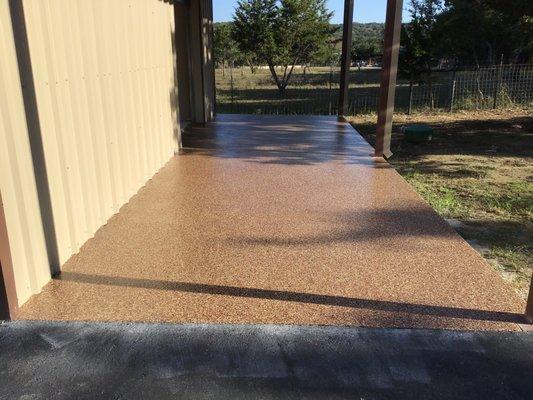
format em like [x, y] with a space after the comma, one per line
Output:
[253, 69]
[274, 74]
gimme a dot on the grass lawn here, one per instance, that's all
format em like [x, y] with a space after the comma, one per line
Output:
[478, 171]
[309, 92]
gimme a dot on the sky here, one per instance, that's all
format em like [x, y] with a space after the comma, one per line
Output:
[364, 10]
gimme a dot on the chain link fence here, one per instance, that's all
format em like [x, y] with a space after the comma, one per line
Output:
[315, 90]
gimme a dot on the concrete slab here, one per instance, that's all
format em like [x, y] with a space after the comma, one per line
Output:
[41, 360]
[279, 219]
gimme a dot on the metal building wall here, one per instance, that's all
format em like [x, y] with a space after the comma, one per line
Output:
[23, 249]
[104, 82]
[100, 78]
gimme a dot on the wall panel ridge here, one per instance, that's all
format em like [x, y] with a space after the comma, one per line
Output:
[102, 77]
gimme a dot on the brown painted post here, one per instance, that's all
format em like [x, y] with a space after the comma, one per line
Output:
[389, 69]
[8, 293]
[529, 306]
[345, 57]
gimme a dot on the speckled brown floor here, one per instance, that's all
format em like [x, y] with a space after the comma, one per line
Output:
[279, 220]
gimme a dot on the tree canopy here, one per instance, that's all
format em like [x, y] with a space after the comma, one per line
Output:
[483, 32]
[225, 48]
[282, 33]
[419, 50]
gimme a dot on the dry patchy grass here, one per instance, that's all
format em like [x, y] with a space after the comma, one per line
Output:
[478, 170]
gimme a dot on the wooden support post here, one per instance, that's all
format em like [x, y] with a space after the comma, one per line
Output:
[389, 69]
[345, 57]
[529, 306]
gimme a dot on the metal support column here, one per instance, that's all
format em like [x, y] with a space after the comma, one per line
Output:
[389, 71]
[345, 57]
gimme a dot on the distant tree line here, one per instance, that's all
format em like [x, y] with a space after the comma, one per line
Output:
[442, 33]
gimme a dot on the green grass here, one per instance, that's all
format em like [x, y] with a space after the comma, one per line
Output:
[315, 92]
[478, 170]
[443, 199]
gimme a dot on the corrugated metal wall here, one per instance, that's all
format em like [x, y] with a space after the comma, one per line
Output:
[17, 183]
[104, 83]
[101, 77]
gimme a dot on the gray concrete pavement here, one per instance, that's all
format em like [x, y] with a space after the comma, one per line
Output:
[45, 360]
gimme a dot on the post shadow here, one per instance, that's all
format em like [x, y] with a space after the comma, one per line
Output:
[34, 131]
[297, 297]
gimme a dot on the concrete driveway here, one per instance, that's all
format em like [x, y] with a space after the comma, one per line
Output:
[54, 360]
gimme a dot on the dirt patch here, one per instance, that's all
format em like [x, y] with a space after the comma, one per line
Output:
[477, 169]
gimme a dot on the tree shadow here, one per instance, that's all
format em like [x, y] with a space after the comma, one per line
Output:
[445, 169]
[496, 138]
[367, 225]
[282, 140]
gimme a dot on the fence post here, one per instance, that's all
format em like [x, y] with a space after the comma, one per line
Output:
[330, 84]
[410, 105]
[497, 84]
[231, 83]
[452, 92]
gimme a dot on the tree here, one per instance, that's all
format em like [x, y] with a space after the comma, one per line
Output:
[367, 41]
[365, 49]
[226, 51]
[418, 51]
[482, 32]
[419, 44]
[282, 33]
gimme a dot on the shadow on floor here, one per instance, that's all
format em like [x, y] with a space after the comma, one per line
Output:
[340, 301]
[393, 224]
[282, 140]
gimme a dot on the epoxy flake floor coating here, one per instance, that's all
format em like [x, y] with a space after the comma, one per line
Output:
[279, 219]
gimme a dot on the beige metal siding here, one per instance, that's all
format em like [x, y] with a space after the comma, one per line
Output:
[104, 83]
[182, 37]
[17, 184]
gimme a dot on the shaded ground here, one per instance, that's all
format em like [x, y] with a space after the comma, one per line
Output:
[266, 219]
[478, 171]
[140, 361]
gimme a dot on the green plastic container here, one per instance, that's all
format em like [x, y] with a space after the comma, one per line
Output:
[417, 133]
